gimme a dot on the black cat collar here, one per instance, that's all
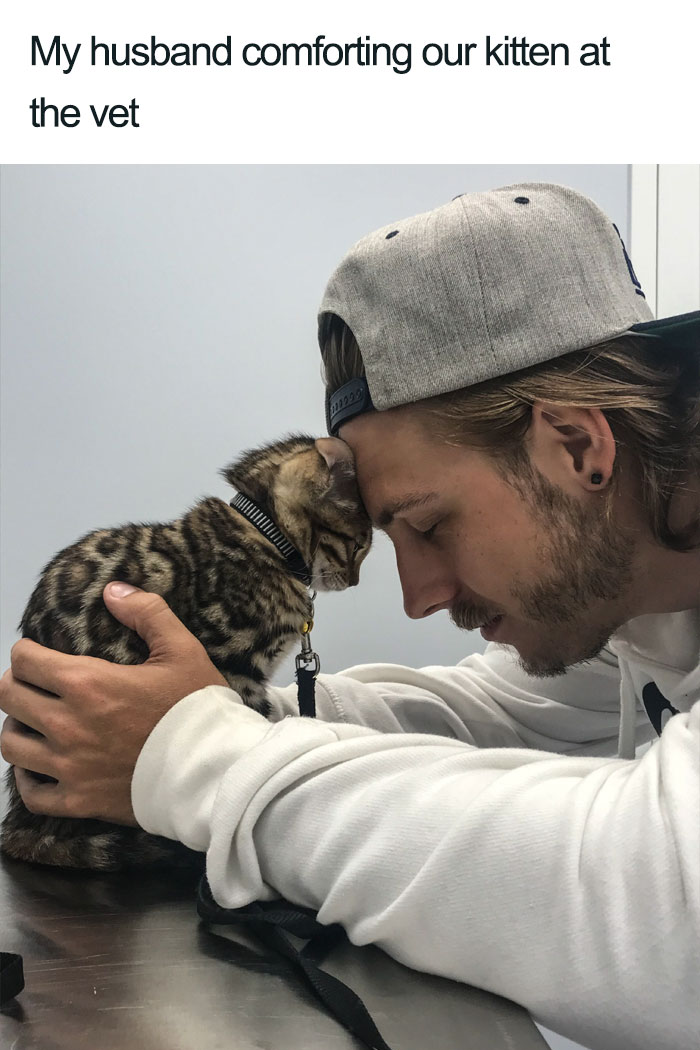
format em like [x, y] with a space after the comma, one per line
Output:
[264, 524]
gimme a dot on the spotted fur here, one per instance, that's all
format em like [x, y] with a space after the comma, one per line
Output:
[225, 581]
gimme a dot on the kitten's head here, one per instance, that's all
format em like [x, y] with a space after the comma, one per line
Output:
[309, 488]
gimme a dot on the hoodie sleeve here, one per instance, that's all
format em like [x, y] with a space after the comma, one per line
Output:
[569, 884]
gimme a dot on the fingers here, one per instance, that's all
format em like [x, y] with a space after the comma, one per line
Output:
[74, 677]
[150, 616]
[38, 666]
[68, 798]
[39, 676]
[24, 702]
[26, 750]
[48, 799]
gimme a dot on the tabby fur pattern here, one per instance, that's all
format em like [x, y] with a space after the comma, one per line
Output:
[227, 583]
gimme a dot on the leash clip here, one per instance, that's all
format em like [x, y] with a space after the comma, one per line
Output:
[307, 655]
[308, 665]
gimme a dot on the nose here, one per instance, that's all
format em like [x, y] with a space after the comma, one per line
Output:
[427, 580]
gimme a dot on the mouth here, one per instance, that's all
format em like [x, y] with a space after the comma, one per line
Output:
[490, 630]
[330, 582]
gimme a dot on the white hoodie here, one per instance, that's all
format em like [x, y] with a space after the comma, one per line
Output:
[463, 819]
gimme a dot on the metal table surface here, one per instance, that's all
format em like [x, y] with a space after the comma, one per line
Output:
[122, 962]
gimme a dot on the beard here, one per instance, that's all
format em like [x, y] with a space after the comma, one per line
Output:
[577, 602]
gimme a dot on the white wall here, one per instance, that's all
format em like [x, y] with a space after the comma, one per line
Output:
[665, 235]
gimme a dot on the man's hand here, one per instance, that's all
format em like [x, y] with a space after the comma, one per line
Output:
[94, 716]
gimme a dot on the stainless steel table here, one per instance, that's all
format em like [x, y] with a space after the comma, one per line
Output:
[122, 963]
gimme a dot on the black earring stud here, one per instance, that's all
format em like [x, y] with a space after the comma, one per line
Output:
[596, 479]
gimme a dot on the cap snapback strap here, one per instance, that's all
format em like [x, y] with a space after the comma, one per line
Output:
[349, 400]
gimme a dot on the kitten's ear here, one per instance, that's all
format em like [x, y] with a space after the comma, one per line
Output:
[338, 455]
[229, 473]
[341, 468]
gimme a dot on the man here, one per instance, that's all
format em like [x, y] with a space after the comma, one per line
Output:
[463, 818]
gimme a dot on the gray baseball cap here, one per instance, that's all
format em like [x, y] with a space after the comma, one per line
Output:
[485, 285]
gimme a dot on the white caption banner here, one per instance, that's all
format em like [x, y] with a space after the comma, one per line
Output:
[540, 82]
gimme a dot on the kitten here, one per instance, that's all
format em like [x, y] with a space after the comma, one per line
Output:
[227, 583]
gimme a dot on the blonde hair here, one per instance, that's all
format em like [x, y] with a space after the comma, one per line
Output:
[649, 392]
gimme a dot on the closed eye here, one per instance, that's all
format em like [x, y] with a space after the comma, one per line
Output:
[429, 534]
[335, 532]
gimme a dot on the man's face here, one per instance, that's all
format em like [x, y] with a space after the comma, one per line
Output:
[534, 565]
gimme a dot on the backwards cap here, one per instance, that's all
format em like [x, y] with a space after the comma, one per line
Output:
[485, 285]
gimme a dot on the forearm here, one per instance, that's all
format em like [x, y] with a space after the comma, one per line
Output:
[567, 884]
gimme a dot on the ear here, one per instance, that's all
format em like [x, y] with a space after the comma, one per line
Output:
[336, 454]
[573, 447]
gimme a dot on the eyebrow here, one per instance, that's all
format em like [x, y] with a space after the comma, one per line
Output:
[387, 514]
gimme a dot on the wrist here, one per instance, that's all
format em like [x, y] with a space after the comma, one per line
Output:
[181, 764]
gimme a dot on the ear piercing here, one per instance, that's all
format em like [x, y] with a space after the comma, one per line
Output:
[596, 479]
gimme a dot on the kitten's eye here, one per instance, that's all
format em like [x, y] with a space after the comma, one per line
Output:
[358, 547]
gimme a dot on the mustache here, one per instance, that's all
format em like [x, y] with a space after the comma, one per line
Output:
[468, 617]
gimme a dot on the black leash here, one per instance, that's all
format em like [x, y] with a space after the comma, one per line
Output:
[11, 976]
[306, 692]
[271, 920]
